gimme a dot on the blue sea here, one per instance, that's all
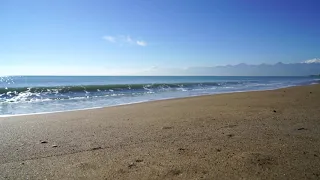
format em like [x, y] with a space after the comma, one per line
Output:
[42, 94]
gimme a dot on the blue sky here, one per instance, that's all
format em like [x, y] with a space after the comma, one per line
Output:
[117, 37]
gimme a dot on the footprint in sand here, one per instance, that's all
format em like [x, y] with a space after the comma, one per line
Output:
[173, 172]
[85, 166]
[253, 160]
[231, 126]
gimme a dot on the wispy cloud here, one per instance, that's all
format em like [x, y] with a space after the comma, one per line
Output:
[109, 38]
[128, 39]
[141, 43]
[123, 40]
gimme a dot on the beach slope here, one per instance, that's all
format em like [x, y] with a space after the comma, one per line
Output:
[251, 135]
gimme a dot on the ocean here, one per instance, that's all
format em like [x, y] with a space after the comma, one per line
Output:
[42, 94]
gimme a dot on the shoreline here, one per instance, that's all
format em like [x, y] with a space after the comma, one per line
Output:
[92, 108]
[272, 134]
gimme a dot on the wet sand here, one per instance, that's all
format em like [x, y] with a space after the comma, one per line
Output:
[252, 135]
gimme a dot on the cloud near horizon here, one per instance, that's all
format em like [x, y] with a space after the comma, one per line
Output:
[122, 40]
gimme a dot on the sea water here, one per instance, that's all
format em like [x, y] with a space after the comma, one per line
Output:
[39, 94]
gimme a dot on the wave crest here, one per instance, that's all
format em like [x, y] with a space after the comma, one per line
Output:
[28, 94]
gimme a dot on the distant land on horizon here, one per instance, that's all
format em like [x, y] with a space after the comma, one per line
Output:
[305, 68]
[315, 75]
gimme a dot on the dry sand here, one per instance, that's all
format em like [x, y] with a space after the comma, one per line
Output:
[252, 135]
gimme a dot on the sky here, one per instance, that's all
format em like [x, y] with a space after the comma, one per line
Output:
[118, 37]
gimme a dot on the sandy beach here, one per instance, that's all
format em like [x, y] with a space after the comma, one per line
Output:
[250, 135]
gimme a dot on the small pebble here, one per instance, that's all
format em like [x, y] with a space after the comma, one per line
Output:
[274, 111]
[43, 142]
[139, 160]
[230, 135]
[54, 146]
[131, 165]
